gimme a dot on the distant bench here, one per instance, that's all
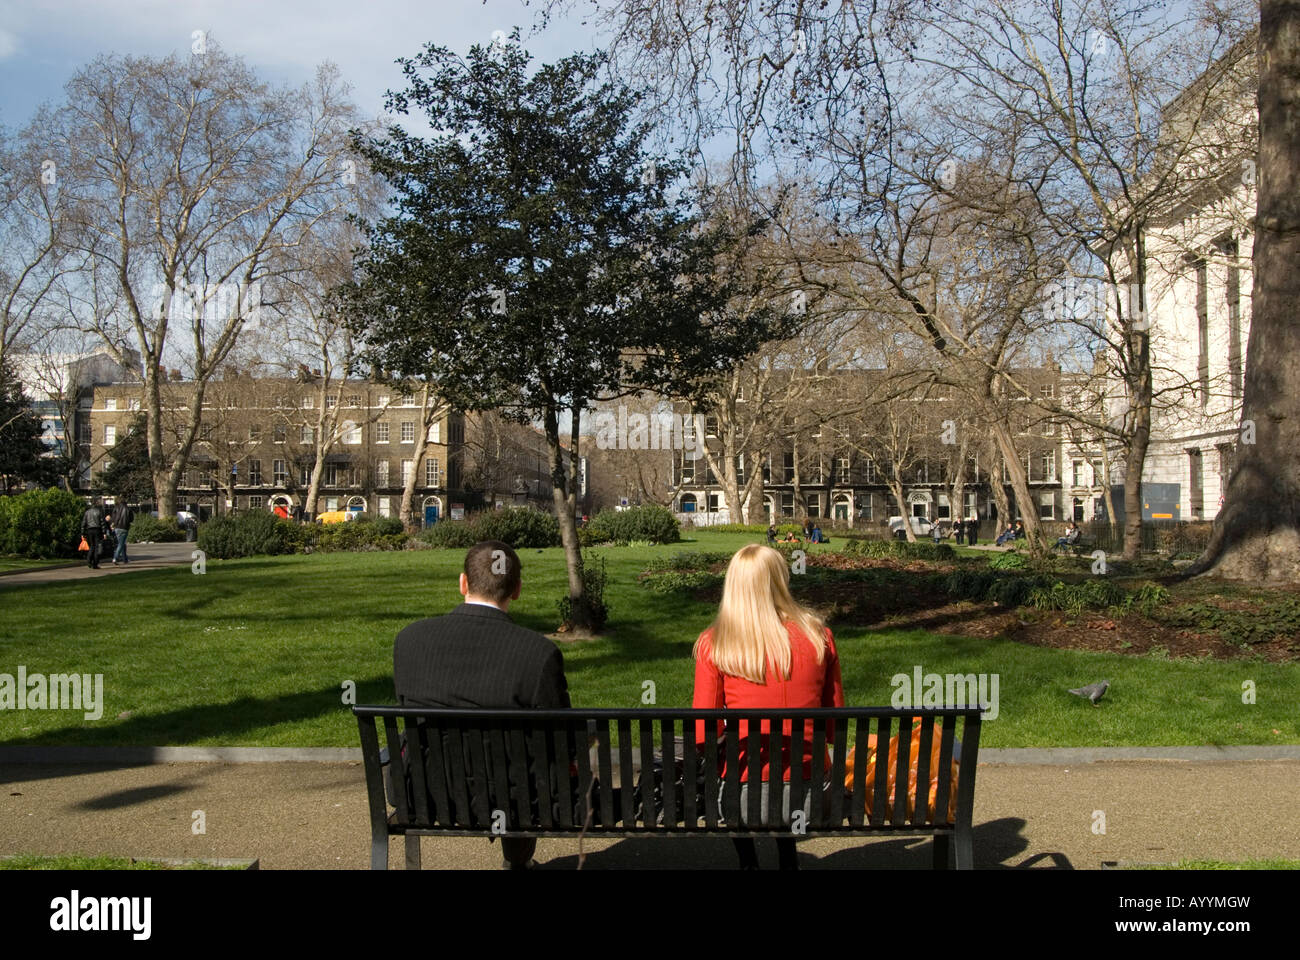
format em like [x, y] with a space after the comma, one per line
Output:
[529, 773]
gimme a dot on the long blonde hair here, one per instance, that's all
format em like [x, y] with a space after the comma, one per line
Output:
[750, 630]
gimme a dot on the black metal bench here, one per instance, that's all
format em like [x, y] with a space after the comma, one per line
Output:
[529, 773]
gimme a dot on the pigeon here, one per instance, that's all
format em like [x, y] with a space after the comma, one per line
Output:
[1093, 691]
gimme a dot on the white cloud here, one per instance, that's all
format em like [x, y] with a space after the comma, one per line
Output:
[8, 44]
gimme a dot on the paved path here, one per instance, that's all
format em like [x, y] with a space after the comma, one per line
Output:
[313, 815]
[142, 556]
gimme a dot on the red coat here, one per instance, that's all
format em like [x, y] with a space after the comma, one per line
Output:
[811, 684]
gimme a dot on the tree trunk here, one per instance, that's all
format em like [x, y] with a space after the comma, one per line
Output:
[1020, 486]
[999, 491]
[579, 622]
[896, 488]
[1255, 536]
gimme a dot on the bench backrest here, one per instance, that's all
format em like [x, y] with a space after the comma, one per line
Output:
[506, 771]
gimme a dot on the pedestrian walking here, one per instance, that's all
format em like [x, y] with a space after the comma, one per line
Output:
[123, 517]
[92, 528]
[959, 530]
[972, 531]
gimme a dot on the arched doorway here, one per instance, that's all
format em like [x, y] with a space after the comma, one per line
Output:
[282, 506]
[356, 505]
[843, 504]
[919, 503]
[688, 503]
[432, 510]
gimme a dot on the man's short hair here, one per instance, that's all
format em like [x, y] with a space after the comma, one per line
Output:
[492, 569]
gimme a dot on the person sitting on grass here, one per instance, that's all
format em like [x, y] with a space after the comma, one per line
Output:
[771, 534]
[791, 538]
[766, 650]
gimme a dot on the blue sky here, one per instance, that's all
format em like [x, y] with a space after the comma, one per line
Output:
[42, 42]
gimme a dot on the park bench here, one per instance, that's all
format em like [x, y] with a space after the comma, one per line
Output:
[531, 773]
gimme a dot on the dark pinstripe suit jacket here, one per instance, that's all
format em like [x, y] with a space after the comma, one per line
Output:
[476, 656]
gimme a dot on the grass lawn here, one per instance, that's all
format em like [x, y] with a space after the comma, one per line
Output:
[257, 652]
[8, 564]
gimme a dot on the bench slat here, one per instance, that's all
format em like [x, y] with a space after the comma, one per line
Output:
[943, 792]
[775, 786]
[417, 751]
[560, 760]
[898, 815]
[587, 799]
[818, 773]
[605, 766]
[480, 799]
[731, 780]
[712, 815]
[839, 752]
[456, 744]
[690, 763]
[397, 769]
[754, 776]
[626, 774]
[921, 812]
[525, 786]
[884, 728]
[436, 770]
[858, 803]
[646, 731]
[798, 789]
[668, 754]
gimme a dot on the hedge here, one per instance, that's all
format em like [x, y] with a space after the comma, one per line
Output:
[41, 524]
[650, 523]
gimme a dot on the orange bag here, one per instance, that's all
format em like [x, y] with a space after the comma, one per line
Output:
[85, 547]
[913, 764]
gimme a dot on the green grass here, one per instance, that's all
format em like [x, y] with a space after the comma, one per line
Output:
[257, 653]
[21, 563]
[68, 862]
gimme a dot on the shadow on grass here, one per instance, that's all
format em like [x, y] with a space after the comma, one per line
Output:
[190, 725]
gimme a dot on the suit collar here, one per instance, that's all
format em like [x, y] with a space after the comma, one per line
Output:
[479, 610]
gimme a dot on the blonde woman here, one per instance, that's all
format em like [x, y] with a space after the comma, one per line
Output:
[766, 650]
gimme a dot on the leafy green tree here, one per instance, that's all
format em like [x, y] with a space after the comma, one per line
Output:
[540, 261]
[22, 451]
[129, 476]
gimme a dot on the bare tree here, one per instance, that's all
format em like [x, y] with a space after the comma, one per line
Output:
[188, 183]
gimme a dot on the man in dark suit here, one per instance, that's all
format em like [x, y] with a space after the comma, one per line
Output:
[475, 656]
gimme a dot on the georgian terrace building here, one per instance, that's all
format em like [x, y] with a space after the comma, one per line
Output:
[836, 480]
[257, 445]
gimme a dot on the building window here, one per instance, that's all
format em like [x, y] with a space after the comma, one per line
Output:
[351, 434]
[688, 470]
[304, 476]
[1049, 428]
[110, 436]
[84, 432]
[279, 472]
[307, 433]
[385, 506]
[308, 402]
[787, 504]
[844, 470]
[1047, 390]
[331, 504]
[1047, 507]
[381, 402]
[255, 472]
[814, 505]
[1078, 472]
[435, 432]
[1203, 331]
[971, 508]
[740, 468]
[868, 471]
[431, 472]
[407, 467]
[944, 509]
[787, 469]
[1098, 474]
[408, 431]
[864, 506]
[110, 403]
[254, 433]
[381, 432]
[715, 502]
[408, 400]
[354, 399]
[133, 403]
[255, 503]
[381, 473]
[280, 433]
[1232, 293]
[711, 430]
[331, 400]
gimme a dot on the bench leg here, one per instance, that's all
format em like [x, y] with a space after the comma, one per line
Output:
[379, 852]
[965, 850]
[412, 852]
[940, 851]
